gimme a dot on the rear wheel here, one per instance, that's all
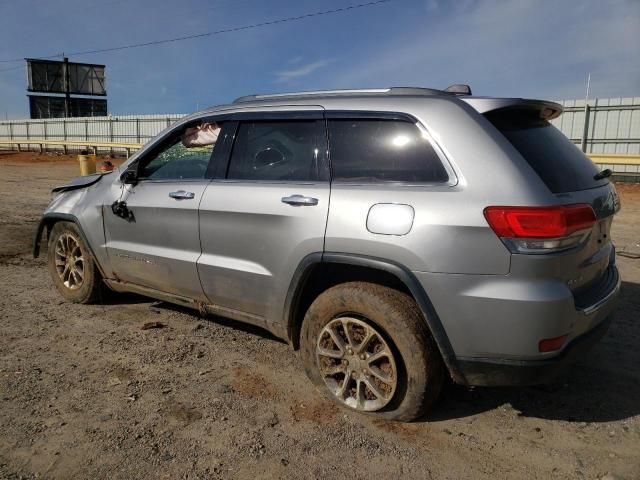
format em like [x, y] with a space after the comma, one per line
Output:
[367, 348]
[71, 265]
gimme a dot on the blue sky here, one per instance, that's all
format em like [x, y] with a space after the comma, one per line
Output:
[531, 48]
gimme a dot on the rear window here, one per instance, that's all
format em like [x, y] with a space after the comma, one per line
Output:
[378, 150]
[557, 161]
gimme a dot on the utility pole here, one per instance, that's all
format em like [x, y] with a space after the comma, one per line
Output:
[585, 127]
[67, 88]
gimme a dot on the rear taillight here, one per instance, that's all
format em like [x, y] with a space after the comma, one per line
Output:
[541, 229]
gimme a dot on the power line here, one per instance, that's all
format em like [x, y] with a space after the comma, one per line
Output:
[22, 59]
[216, 32]
[234, 29]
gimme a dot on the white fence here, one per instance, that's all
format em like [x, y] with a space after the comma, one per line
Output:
[612, 124]
[120, 129]
[607, 125]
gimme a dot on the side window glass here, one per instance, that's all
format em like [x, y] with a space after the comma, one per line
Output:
[279, 151]
[378, 150]
[186, 157]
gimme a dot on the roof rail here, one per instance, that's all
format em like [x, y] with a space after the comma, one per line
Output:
[340, 93]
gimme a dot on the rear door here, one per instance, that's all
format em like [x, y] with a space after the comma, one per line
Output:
[266, 212]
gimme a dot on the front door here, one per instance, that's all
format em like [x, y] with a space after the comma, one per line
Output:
[266, 214]
[158, 245]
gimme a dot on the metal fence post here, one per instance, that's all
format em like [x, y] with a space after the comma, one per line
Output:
[64, 135]
[585, 128]
[111, 134]
[11, 134]
[138, 130]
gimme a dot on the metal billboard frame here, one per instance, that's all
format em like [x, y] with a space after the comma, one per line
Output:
[50, 106]
[53, 77]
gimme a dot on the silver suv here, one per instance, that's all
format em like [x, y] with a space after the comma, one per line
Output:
[395, 237]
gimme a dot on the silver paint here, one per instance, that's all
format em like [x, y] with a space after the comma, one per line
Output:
[235, 246]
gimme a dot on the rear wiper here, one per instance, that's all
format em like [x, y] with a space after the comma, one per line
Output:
[606, 173]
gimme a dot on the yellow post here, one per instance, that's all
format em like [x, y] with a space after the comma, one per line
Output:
[87, 163]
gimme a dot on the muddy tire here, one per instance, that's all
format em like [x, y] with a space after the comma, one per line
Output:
[71, 265]
[367, 348]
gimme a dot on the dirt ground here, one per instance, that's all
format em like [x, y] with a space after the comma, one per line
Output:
[85, 393]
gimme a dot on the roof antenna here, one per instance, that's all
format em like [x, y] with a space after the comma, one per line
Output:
[585, 128]
[459, 89]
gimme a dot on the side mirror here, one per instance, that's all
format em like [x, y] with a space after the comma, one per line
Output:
[129, 177]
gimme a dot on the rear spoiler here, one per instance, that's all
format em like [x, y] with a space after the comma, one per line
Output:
[548, 110]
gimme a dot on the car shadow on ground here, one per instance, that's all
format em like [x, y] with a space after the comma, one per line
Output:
[602, 387]
[108, 297]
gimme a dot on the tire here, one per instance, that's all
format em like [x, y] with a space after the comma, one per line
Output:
[78, 280]
[413, 369]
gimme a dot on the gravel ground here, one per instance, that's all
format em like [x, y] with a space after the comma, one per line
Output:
[86, 393]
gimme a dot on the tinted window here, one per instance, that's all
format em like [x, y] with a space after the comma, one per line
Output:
[278, 150]
[557, 161]
[382, 151]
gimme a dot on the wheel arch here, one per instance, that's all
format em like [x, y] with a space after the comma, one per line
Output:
[317, 272]
[47, 222]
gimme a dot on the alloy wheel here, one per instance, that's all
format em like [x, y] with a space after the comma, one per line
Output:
[69, 261]
[356, 364]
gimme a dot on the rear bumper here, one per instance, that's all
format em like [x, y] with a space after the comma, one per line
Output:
[494, 323]
[503, 372]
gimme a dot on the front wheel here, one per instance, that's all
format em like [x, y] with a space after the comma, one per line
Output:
[71, 265]
[366, 346]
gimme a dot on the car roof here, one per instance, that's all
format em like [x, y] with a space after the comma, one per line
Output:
[324, 97]
[320, 96]
[326, 94]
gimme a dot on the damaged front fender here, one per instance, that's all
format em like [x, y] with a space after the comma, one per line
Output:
[80, 182]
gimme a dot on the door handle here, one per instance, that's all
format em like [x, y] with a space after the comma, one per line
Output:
[182, 195]
[300, 200]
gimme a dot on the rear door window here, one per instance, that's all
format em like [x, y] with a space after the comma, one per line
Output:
[279, 151]
[382, 150]
[558, 162]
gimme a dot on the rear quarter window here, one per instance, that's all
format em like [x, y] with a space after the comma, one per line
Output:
[382, 150]
[558, 162]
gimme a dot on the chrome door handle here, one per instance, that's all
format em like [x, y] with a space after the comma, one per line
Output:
[300, 200]
[182, 195]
